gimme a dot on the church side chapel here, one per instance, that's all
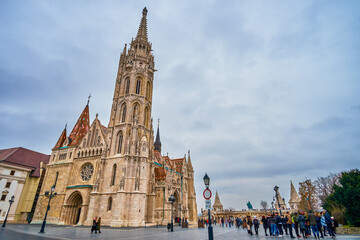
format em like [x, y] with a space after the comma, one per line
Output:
[118, 172]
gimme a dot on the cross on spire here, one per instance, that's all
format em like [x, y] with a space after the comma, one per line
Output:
[89, 99]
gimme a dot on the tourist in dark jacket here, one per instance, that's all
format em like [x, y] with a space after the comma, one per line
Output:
[264, 221]
[256, 223]
[249, 224]
[318, 224]
[302, 224]
[329, 223]
[279, 224]
[93, 227]
[313, 224]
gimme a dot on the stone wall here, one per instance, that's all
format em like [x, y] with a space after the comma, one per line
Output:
[348, 230]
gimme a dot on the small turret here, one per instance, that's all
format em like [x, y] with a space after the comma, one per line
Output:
[157, 144]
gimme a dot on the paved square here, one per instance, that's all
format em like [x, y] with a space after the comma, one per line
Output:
[30, 232]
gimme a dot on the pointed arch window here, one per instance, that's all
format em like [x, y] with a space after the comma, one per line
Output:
[98, 141]
[146, 117]
[136, 111]
[84, 143]
[127, 86]
[120, 141]
[109, 204]
[88, 142]
[148, 90]
[113, 175]
[123, 116]
[138, 86]
[94, 137]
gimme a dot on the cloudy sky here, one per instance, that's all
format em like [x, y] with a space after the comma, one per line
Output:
[262, 92]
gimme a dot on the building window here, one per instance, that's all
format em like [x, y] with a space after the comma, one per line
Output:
[120, 140]
[138, 86]
[87, 172]
[146, 117]
[7, 184]
[123, 117]
[109, 204]
[12, 173]
[113, 175]
[127, 88]
[3, 197]
[148, 90]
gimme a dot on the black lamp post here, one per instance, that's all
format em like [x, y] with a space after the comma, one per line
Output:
[50, 196]
[11, 202]
[171, 200]
[210, 229]
[272, 207]
[276, 188]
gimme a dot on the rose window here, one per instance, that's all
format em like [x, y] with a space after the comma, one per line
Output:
[87, 172]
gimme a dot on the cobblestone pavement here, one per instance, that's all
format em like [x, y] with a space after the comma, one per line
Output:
[31, 232]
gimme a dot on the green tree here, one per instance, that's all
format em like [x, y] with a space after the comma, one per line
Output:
[347, 195]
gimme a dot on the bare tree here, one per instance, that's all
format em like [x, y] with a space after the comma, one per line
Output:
[308, 197]
[264, 204]
[324, 185]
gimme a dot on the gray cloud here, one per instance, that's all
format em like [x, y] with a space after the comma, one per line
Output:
[261, 92]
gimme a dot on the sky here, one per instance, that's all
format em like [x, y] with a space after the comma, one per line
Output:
[261, 92]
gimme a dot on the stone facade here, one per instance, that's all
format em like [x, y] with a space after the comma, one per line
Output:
[115, 172]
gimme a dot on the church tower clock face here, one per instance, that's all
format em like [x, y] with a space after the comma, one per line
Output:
[87, 171]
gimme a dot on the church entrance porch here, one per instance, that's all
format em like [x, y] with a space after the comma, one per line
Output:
[73, 207]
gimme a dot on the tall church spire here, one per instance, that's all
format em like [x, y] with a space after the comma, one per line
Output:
[157, 144]
[62, 139]
[142, 32]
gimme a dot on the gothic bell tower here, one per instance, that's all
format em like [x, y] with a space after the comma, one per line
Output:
[131, 108]
[127, 168]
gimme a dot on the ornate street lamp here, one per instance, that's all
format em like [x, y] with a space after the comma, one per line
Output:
[210, 229]
[171, 200]
[50, 196]
[276, 188]
[11, 202]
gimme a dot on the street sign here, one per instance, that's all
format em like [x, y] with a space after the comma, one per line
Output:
[208, 204]
[207, 194]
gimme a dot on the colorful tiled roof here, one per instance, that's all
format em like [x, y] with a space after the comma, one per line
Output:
[25, 158]
[81, 127]
[178, 163]
[160, 174]
[168, 162]
[61, 140]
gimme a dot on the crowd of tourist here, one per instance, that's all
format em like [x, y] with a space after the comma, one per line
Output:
[297, 224]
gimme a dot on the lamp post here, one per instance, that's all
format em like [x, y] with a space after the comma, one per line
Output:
[11, 202]
[50, 196]
[171, 200]
[276, 188]
[210, 229]
[272, 207]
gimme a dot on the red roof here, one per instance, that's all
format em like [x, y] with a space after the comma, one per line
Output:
[178, 164]
[61, 140]
[160, 174]
[81, 127]
[25, 158]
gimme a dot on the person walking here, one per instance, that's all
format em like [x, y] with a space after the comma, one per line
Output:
[93, 227]
[302, 225]
[318, 224]
[265, 224]
[323, 224]
[249, 224]
[313, 224]
[296, 224]
[98, 223]
[256, 225]
[273, 226]
[284, 224]
[329, 224]
[289, 223]
[278, 222]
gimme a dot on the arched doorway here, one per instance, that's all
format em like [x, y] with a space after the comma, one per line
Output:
[73, 208]
[177, 206]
